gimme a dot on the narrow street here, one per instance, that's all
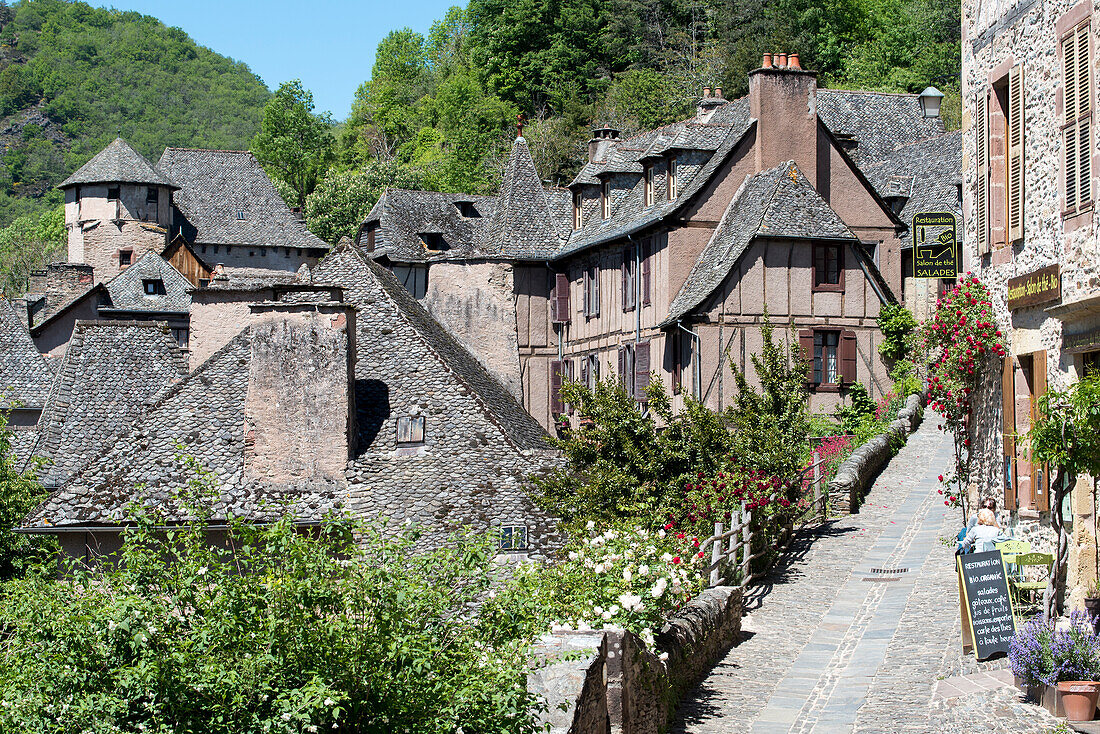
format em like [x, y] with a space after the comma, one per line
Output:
[859, 629]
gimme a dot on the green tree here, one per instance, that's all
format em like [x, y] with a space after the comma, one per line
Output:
[342, 201]
[294, 144]
[20, 492]
[30, 243]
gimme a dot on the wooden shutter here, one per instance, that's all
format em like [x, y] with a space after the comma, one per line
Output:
[596, 289]
[646, 252]
[584, 371]
[1016, 153]
[847, 351]
[982, 155]
[806, 341]
[561, 298]
[557, 407]
[641, 370]
[1077, 131]
[1008, 431]
[675, 341]
[1040, 479]
[622, 368]
[629, 291]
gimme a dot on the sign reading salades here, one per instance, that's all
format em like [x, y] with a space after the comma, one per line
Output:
[1039, 286]
[935, 248]
[988, 624]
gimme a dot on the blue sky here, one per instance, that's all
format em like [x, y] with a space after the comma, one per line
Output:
[328, 44]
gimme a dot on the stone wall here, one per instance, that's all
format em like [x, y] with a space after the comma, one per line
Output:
[642, 691]
[856, 475]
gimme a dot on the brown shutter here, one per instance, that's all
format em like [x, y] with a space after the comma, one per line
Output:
[1008, 431]
[647, 249]
[584, 370]
[1039, 387]
[641, 370]
[806, 341]
[1016, 153]
[561, 298]
[674, 342]
[982, 154]
[628, 282]
[622, 367]
[848, 356]
[556, 369]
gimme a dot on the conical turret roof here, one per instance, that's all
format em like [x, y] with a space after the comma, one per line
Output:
[118, 163]
[522, 222]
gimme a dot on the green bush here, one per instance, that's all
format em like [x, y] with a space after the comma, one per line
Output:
[859, 409]
[20, 492]
[899, 328]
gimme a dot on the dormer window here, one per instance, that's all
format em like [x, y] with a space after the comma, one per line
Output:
[605, 199]
[433, 241]
[648, 184]
[578, 218]
[112, 193]
[240, 215]
[372, 236]
[468, 210]
[671, 187]
[154, 287]
[410, 430]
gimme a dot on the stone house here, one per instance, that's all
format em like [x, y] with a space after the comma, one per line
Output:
[662, 255]
[1029, 187]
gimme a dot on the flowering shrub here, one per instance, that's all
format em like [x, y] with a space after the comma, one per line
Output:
[1042, 653]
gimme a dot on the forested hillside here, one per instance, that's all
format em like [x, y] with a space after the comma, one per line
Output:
[73, 76]
[439, 111]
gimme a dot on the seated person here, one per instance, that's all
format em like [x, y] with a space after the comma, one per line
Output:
[984, 535]
[987, 504]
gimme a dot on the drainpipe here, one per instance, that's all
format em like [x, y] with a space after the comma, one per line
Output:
[696, 368]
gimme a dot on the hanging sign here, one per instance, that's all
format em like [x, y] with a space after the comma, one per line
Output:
[1040, 286]
[935, 245]
[988, 624]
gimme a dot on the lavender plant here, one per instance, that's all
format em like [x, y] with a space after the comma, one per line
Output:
[1043, 653]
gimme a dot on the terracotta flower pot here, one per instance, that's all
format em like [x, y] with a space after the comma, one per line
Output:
[1079, 699]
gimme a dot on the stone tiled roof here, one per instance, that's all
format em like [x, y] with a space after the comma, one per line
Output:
[404, 215]
[24, 374]
[226, 198]
[927, 174]
[777, 203]
[880, 123]
[127, 289]
[118, 163]
[248, 279]
[523, 223]
[111, 371]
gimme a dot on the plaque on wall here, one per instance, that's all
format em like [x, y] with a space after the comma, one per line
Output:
[1039, 286]
[935, 249]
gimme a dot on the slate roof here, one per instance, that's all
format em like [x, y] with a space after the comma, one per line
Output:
[127, 289]
[878, 121]
[403, 215]
[111, 371]
[523, 223]
[217, 184]
[24, 374]
[118, 163]
[777, 203]
[926, 173]
[247, 279]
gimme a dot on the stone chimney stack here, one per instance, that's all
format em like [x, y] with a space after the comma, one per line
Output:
[300, 409]
[601, 140]
[783, 99]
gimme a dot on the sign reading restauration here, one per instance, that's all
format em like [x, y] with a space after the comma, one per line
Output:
[935, 249]
[988, 624]
[1039, 286]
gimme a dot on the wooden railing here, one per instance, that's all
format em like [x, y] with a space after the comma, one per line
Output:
[731, 554]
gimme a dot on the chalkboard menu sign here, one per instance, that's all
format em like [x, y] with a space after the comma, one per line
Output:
[988, 624]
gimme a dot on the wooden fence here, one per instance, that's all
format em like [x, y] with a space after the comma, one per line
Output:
[731, 553]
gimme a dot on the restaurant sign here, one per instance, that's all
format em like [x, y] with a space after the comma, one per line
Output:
[935, 249]
[1040, 286]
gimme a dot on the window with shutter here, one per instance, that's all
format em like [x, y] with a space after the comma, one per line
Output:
[670, 178]
[1077, 128]
[577, 217]
[1008, 431]
[641, 370]
[629, 284]
[1016, 153]
[828, 357]
[648, 177]
[982, 155]
[561, 298]
[646, 251]
[557, 367]
[626, 368]
[806, 342]
[676, 361]
[605, 199]
[848, 357]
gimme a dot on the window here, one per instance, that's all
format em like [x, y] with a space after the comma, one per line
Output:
[646, 247]
[216, 249]
[872, 249]
[263, 252]
[414, 278]
[826, 358]
[999, 128]
[203, 282]
[577, 213]
[634, 372]
[561, 371]
[828, 267]
[590, 370]
[1090, 363]
[592, 290]
[561, 298]
[124, 258]
[605, 199]
[181, 336]
[286, 252]
[372, 236]
[76, 195]
[433, 241]
[154, 287]
[112, 193]
[630, 280]
[240, 215]
[513, 537]
[648, 184]
[671, 183]
[410, 430]
[468, 210]
[626, 368]
[1077, 127]
[831, 356]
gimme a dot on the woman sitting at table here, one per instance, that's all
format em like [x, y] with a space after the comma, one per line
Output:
[984, 535]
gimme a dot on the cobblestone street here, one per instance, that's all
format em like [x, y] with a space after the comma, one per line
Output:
[859, 629]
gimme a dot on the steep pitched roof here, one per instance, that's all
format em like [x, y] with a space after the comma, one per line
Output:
[777, 203]
[926, 173]
[111, 371]
[117, 163]
[879, 122]
[127, 289]
[404, 215]
[225, 197]
[523, 223]
[24, 374]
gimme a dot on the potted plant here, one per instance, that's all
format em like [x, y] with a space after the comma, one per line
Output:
[1059, 663]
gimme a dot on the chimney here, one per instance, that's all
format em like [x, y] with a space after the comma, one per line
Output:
[718, 93]
[601, 140]
[767, 62]
[300, 408]
[706, 92]
[783, 99]
[60, 282]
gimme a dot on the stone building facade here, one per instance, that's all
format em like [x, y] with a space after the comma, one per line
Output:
[1029, 186]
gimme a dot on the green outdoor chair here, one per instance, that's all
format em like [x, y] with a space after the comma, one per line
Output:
[1009, 550]
[1023, 560]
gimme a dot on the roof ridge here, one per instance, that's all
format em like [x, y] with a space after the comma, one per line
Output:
[868, 91]
[206, 150]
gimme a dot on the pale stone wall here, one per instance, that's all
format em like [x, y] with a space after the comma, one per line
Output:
[103, 240]
[216, 317]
